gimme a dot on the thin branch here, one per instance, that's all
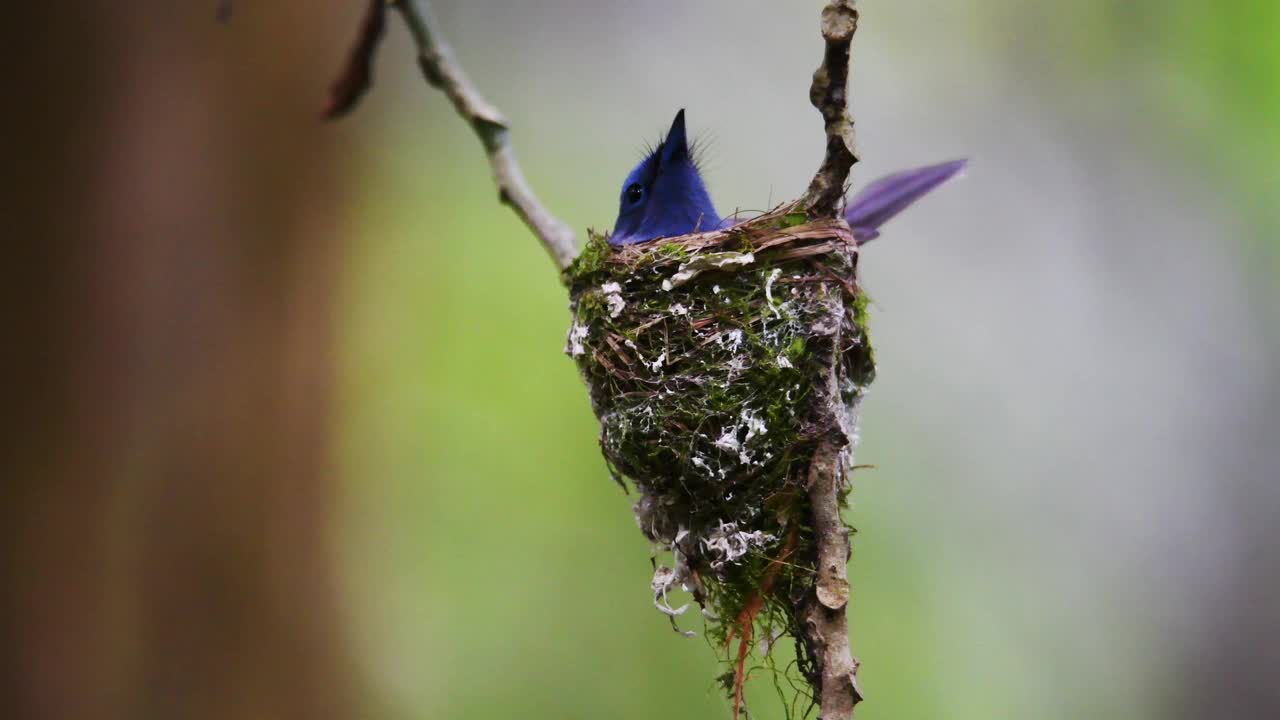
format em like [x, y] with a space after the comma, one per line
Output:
[443, 72]
[829, 93]
[357, 75]
[826, 624]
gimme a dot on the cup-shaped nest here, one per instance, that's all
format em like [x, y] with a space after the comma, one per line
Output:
[716, 363]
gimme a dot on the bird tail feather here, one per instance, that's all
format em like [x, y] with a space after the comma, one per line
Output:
[880, 201]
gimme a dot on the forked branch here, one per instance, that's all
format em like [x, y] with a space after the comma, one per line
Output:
[824, 616]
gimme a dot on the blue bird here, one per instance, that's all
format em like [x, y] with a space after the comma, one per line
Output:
[665, 196]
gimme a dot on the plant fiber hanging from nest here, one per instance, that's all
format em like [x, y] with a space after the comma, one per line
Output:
[717, 363]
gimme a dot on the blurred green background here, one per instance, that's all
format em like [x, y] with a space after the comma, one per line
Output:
[290, 432]
[1077, 345]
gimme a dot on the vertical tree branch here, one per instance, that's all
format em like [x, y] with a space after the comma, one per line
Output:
[443, 72]
[826, 626]
[829, 93]
[833, 670]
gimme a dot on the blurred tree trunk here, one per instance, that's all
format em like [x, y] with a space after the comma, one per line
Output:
[170, 246]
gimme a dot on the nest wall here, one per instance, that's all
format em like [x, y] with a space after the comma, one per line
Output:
[716, 363]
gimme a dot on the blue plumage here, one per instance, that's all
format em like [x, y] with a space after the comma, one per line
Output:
[665, 196]
[888, 196]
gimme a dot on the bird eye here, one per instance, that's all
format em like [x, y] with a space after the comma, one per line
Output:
[634, 193]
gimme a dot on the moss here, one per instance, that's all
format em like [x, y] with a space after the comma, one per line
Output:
[592, 305]
[792, 219]
[864, 362]
[674, 250]
[707, 358]
[592, 258]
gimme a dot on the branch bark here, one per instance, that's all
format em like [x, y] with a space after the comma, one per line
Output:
[357, 75]
[829, 94]
[832, 668]
[441, 69]
[826, 624]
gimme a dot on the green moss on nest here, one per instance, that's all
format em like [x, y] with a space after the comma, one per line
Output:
[716, 362]
[592, 258]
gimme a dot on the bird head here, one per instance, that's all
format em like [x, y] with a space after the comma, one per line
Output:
[664, 195]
